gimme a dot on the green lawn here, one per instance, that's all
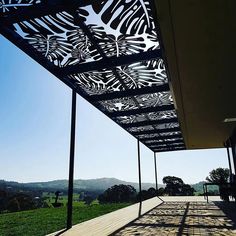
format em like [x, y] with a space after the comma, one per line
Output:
[63, 199]
[48, 220]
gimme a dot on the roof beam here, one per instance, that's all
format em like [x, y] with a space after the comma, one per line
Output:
[142, 110]
[168, 149]
[162, 137]
[130, 92]
[110, 62]
[150, 122]
[170, 145]
[174, 129]
[163, 142]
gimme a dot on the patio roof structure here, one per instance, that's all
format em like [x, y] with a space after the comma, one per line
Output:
[163, 70]
[109, 52]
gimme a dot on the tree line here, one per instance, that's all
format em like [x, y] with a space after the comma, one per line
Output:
[127, 193]
[174, 186]
[19, 200]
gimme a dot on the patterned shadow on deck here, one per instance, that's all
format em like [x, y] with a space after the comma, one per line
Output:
[181, 218]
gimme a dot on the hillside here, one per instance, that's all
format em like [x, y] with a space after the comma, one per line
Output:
[100, 184]
[199, 187]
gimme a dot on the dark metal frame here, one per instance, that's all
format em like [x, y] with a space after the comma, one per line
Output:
[155, 164]
[229, 161]
[71, 163]
[233, 145]
[139, 172]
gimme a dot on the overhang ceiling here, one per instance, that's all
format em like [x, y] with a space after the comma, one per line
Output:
[199, 38]
[109, 52]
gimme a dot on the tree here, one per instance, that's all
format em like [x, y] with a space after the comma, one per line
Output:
[187, 190]
[118, 193]
[147, 194]
[88, 200]
[219, 175]
[176, 186]
[161, 191]
[3, 200]
[173, 185]
[152, 192]
[20, 202]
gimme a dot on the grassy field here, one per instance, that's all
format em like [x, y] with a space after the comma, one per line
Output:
[63, 199]
[47, 220]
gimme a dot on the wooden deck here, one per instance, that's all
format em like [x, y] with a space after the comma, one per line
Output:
[109, 223]
[159, 217]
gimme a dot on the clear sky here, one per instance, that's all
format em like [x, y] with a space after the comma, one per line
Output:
[35, 131]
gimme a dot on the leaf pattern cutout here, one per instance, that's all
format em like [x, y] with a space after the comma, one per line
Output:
[167, 126]
[142, 117]
[155, 99]
[152, 36]
[117, 28]
[120, 45]
[127, 103]
[142, 74]
[121, 104]
[143, 136]
[82, 13]
[126, 16]
[141, 128]
[97, 82]
[55, 48]
[9, 5]
[58, 39]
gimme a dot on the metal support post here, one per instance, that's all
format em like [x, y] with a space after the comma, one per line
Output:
[139, 173]
[230, 167]
[71, 163]
[206, 193]
[232, 144]
[155, 164]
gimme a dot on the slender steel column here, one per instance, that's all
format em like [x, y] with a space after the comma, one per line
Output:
[206, 193]
[232, 144]
[155, 163]
[71, 163]
[230, 167]
[139, 173]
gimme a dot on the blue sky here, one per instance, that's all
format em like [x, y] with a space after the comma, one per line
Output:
[35, 132]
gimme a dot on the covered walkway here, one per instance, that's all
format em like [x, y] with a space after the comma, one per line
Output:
[162, 70]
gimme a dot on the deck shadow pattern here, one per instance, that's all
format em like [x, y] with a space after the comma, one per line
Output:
[181, 218]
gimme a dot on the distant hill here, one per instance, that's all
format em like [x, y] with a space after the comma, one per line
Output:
[100, 184]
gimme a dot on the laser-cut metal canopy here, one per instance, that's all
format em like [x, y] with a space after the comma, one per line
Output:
[109, 52]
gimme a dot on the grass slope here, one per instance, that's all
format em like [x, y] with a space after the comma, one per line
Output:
[47, 220]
